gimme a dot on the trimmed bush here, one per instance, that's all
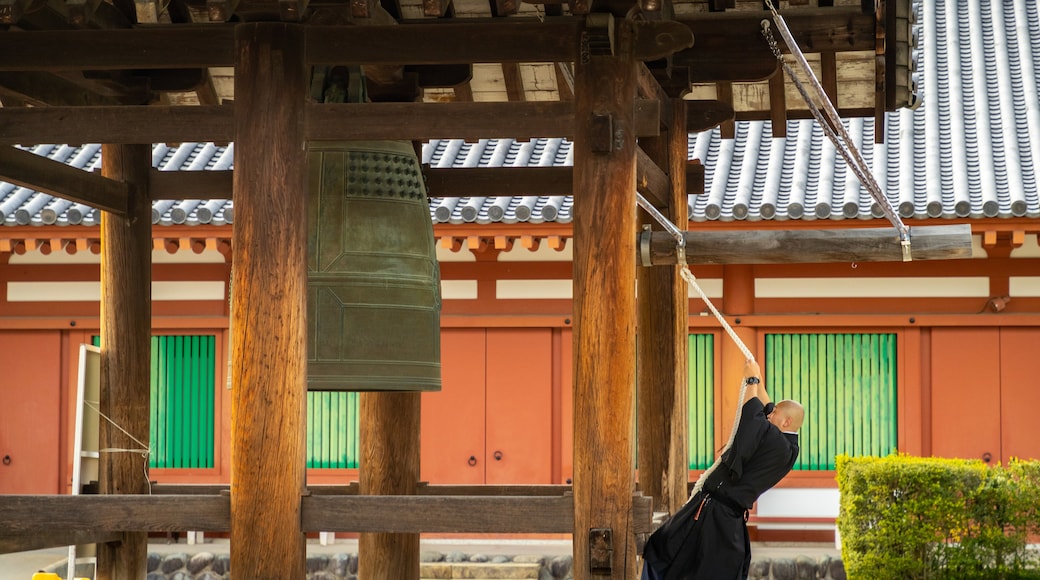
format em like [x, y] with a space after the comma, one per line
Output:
[909, 517]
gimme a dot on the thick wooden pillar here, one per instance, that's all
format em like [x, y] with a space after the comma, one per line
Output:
[605, 316]
[268, 309]
[663, 336]
[738, 299]
[126, 320]
[389, 433]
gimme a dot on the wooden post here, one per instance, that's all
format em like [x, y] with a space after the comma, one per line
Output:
[126, 319]
[389, 465]
[605, 316]
[663, 337]
[268, 310]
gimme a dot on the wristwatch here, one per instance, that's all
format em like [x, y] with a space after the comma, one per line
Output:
[752, 380]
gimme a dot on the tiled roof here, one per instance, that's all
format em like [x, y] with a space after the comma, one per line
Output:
[971, 150]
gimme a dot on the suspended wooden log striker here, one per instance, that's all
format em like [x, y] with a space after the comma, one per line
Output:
[373, 295]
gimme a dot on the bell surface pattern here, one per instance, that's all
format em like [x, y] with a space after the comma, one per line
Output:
[373, 281]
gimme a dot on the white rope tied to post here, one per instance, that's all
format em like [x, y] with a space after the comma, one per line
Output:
[835, 129]
[680, 241]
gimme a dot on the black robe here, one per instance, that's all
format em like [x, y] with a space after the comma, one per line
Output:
[707, 538]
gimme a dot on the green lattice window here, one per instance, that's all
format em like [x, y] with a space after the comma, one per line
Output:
[847, 383]
[332, 429]
[701, 400]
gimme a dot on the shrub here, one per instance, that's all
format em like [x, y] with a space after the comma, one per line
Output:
[909, 517]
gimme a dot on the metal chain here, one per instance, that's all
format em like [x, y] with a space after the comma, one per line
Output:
[835, 129]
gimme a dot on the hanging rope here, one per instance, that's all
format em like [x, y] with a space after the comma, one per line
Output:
[680, 243]
[831, 123]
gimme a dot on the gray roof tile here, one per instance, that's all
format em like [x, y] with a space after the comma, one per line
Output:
[970, 150]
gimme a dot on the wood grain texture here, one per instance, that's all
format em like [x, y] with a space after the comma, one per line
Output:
[126, 319]
[662, 343]
[54, 177]
[947, 242]
[389, 432]
[604, 312]
[269, 282]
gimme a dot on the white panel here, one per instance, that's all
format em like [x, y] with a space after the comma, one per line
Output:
[946, 287]
[187, 291]
[62, 257]
[1024, 286]
[91, 291]
[787, 502]
[712, 287]
[507, 289]
[543, 254]
[187, 257]
[1030, 248]
[459, 289]
[53, 291]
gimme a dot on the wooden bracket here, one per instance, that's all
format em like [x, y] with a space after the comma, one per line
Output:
[601, 550]
[657, 39]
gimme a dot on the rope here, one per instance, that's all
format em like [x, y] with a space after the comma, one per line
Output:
[680, 241]
[831, 124]
[143, 450]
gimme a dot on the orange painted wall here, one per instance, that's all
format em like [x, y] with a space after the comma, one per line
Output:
[30, 412]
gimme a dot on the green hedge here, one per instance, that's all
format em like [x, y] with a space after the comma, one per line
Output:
[907, 517]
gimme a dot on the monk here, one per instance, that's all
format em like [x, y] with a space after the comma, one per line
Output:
[707, 539]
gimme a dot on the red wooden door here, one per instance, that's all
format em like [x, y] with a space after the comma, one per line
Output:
[30, 418]
[452, 433]
[492, 420]
[1020, 397]
[966, 393]
[519, 406]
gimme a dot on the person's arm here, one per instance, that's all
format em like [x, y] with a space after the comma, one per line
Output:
[752, 370]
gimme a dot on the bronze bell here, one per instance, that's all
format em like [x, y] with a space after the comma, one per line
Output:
[373, 282]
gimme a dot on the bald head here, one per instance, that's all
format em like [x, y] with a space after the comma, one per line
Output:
[788, 415]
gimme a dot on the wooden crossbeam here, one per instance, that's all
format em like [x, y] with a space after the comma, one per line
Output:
[441, 182]
[56, 537]
[35, 172]
[79, 519]
[807, 246]
[448, 514]
[356, 121]
[722, 40]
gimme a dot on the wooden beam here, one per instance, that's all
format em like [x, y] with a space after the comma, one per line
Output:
[126, 319]
[604, 316]
[138, 124]
[54, 538]
[423, 488]
[424, 121]
[449, 514]
[441, 182]
[730, 47]
[42, 174]
[28, 514]
[191, 184]
[651, 180]
[324, 122]
[948, 242]
[269, 242]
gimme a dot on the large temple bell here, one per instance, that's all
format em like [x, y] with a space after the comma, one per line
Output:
[373, 296]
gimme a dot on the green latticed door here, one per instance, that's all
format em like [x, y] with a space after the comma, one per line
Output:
[182, 416]
[848, 385]
[701, 400]
[332, 429]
